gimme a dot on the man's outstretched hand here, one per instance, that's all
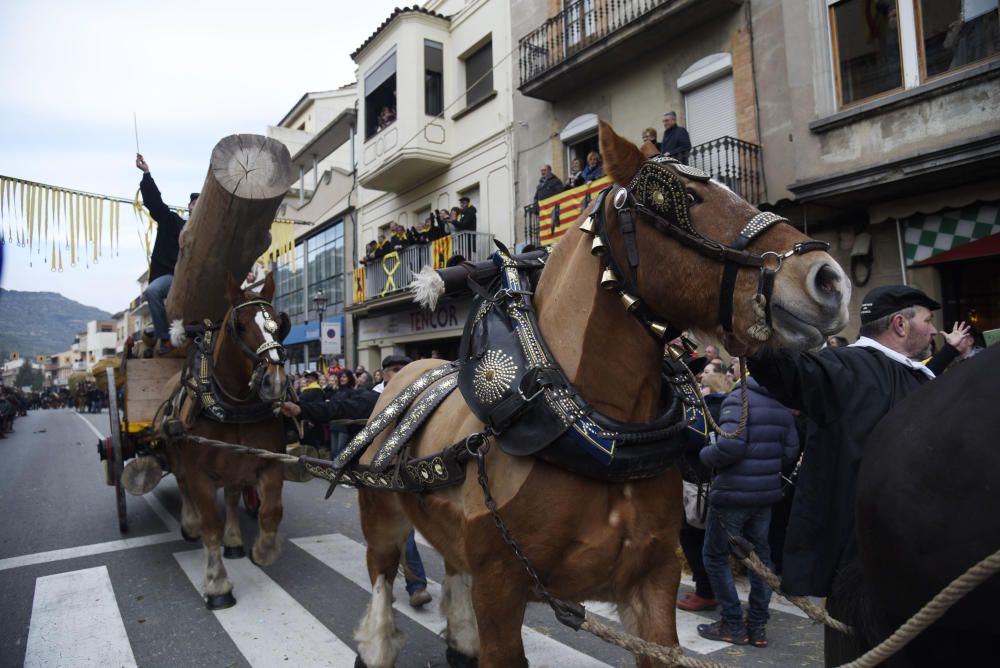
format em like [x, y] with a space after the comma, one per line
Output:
[290, 409]
[140, 162]
[959, 337]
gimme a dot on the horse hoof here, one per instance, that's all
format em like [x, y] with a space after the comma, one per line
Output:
[188, 537]
[233, 552]
[456, 659]
[220, 601]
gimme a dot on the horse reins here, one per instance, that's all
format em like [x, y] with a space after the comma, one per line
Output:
[657, 192]
[259, 356]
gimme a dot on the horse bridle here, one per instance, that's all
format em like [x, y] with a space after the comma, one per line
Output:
[259, 356]
[656, 192]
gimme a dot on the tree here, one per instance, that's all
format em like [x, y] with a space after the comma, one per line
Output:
[28, 375]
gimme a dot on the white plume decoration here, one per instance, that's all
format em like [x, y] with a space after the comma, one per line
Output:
[427, 287]
[178, 337]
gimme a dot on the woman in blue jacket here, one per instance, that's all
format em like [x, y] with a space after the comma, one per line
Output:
[745, 484]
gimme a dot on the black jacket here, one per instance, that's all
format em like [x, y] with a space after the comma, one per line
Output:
[548, 187]
[676, 143]
[345, 404]
[168, 230]
[844, 393]
[467, 220]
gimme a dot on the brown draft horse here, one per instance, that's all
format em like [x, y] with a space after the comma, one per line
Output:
[588, 540]
[248, 366]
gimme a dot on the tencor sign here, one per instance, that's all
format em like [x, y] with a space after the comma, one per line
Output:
[446, 320]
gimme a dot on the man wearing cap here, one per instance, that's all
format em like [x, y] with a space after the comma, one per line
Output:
[466, 220]
[844, 392]
[164, 255]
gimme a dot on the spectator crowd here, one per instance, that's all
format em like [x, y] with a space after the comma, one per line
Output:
[438, 224]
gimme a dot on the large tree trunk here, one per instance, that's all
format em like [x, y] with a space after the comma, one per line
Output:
[230, 226]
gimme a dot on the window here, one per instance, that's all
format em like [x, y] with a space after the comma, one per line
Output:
[380, 96]
[955, 33]
[433, 78]
[580, 21]
[326, 267]
[289, 297]
[866, 48]
[479, 74]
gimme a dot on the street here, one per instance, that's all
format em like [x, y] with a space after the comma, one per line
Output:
[76, 592]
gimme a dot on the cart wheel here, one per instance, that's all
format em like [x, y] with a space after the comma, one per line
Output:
[118, 459]
[251, 500]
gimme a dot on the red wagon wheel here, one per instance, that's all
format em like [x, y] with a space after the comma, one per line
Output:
[117, 463]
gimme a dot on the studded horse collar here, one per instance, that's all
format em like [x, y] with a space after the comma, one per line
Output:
[657, 192]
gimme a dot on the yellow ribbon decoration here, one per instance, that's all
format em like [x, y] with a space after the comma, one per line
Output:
[390, 284]
[52, 267]
[46, 214]
[74, 231]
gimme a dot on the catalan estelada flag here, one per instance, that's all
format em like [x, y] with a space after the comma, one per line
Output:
[359, 285]
[557, 213]
[441, 252]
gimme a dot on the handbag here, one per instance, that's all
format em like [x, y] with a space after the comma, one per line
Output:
[695, 503]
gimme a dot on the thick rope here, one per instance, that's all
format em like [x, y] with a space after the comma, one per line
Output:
[241, 449]
[744, 405]
[671, 656]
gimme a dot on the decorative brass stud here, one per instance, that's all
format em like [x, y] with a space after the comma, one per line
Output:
[630, 302]
[659, 329]
[657, 197]
[676, 352]
[597, 247]
[588, 225]
[610, 280]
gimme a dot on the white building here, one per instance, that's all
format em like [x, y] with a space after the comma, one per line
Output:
[99, 341]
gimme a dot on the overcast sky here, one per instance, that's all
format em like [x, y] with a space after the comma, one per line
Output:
[73, 73]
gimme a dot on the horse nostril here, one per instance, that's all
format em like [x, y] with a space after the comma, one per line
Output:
[827, 282]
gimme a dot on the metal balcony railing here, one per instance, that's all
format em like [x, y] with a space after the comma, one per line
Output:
[390, 275]
[731, 161]
[575, 28]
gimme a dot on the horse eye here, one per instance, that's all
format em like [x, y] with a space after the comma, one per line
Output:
[692, 198]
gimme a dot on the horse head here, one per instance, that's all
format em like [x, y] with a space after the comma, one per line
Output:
[257, 329]
[699, 257]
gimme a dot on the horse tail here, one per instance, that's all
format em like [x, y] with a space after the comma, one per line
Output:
[851, 602]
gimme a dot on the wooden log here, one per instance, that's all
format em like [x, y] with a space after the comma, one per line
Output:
[230, 227]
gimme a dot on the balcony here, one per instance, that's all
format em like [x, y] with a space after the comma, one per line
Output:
[594, 38]
[730, 161]
[396, 159]
[392, 274]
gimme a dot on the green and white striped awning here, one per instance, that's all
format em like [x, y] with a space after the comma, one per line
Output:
[926, 235]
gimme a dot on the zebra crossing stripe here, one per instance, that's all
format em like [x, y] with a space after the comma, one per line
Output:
[347, 557]
[687, 627]
[268, 626]
[75, 623]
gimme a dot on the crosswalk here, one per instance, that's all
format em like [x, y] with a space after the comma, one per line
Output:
[76, 621]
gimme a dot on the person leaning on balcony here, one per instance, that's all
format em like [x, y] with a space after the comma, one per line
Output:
[382, 247]
[575, 178]
[676, 142]
[649, 135]
[593, 170]
[548, 185]
[399, 238]
[435, 228]
[466, 221]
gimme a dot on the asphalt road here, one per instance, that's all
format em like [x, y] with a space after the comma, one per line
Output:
[76, 592]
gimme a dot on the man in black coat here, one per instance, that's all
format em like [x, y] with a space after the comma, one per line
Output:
[548, 185]
[844, 393]
[466, 221]
[164, 255]
[676, 143]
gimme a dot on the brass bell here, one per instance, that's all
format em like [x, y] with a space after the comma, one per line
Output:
[659, 329]
[588, 225]
[676, 352]
[630, 302]
[597, 247]
[610, 280]
[689, 345]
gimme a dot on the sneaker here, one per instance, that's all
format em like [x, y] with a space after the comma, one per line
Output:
[724, 633]
[420, 598]
[693, 603]
[757, 636]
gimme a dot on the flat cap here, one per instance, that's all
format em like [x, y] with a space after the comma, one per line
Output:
[887, 299]
[395, 360]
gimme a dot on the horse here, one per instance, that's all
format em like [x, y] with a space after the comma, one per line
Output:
[590, 539]
[927, 510]
[248, 377]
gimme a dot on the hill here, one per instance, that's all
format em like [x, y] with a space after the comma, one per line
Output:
[41, 323]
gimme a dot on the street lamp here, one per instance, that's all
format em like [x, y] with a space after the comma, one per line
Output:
[319, 303]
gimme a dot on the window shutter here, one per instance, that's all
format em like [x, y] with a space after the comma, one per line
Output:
[711, 111]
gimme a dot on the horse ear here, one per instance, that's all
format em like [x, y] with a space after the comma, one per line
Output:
[233, 292]
[648, 149]
[621, 157]
[267, 292]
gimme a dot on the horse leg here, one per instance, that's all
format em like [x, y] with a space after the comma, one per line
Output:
[461, 632]
[190, 519]
[232, 536]
[650, 610]
[499, 598]
[218, 588]
[385, 528]
[267, 548]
